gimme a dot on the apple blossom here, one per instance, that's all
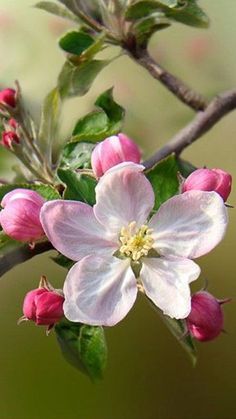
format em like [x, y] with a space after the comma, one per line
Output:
[117, 248]
[112, 151]
[209, 180]
[19, 217]
[205, 321]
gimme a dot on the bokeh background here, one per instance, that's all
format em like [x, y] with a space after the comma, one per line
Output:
[148, 374]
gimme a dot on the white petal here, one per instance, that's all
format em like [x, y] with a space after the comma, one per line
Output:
[74, 231]
[189, 225]
[166, 282]
[123, 196]
[99, 291]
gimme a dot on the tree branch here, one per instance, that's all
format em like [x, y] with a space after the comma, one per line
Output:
[22, 254]
[184, 93]
[219, 107]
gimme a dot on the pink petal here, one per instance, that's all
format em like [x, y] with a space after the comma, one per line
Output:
[189, 225]
[126, 165]
[123, 195]
[166, 282]
[74, 231]
[99, 291]
[21, 193]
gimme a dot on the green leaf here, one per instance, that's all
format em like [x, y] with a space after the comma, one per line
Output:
[77, 80]
[76, 155]
[63, 261]
[189, 14]
[164, 180]
[93, 350]
[185, 167]
[92, 127]
[78, 187]
[57, 10]
[76, 42]
[102, 123]
[49, 120]
[113, 110]
[143, 9]
[178, 329]
[70, 4]
[146, 27]
[82, 45]
[46, 191]
[184, 11]
[83, 346]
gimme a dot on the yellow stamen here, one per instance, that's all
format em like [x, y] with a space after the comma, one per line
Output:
[135, 242]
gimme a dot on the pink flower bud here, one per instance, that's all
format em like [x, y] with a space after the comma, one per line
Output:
[9, 138]
[43, 307]
[112, 151]
[8, 97]
[13, 123]
[20, 216]
[209, 180]
[205, 321]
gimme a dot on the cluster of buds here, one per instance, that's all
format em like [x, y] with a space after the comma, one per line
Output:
[206, 319]
[10, 136]
[43, 305]
[209, 180]
[19, 217]
[112, 151]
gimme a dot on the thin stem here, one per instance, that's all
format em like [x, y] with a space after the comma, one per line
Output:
[219, 107]
[35, 149]
[22, 254]
[27, 163]
[183, 92]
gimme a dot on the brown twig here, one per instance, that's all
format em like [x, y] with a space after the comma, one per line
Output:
[219, 107]
[22, 254]
[183, 92]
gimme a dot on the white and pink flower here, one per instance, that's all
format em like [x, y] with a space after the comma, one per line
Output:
[119, 249]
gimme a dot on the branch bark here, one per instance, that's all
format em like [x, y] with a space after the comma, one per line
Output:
[183, 92]
[22, 254]
[219, 107]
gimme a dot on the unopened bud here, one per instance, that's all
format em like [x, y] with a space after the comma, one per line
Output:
[112, 151]
[209, 180]
[8, 97]
[205, 321]
[13, 123]
[43, 306]
[20, 215]
[9, 138]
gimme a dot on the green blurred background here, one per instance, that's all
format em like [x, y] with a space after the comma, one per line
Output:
[148, 374]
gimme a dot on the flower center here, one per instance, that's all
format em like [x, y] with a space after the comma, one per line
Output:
[135, 242]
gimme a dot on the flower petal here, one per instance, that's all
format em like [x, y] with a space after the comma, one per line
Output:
[126, 165]
[189, 225]
[123, 195]
[166, 280]
[99, 291]
[74, 231]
